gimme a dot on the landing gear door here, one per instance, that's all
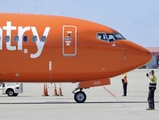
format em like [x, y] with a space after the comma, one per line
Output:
[69, 40]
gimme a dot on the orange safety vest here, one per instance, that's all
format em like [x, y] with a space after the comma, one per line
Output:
[124, 77]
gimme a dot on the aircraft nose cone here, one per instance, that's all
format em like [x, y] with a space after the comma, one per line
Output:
[141, 55]
[137, 55]
[145, 55]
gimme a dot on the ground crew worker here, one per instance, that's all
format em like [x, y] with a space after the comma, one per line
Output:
[124, 82]
[152, 88]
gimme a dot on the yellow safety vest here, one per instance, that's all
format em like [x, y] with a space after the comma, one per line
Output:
[153, 79]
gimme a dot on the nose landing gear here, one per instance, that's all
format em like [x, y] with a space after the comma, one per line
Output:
[79, 96]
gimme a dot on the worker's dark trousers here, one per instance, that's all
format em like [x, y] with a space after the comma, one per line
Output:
[151, 98]
[124, 89]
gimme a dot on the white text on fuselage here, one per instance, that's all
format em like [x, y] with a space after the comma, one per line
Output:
[21, 30]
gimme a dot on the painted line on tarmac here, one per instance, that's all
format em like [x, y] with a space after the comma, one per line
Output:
[67, 102]
[109, 92]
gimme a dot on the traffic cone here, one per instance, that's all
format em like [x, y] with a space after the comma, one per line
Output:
[55, 91]
[45, 92]
[60, 91]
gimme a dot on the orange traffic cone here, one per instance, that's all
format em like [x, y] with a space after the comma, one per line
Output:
[45, 92]
[55, 91]
[60, 91]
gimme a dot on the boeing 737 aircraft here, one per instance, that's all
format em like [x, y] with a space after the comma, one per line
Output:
[45, 48]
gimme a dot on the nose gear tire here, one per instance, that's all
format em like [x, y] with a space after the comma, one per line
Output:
[80, 97]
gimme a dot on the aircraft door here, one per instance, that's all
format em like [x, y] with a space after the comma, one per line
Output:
[69, 40]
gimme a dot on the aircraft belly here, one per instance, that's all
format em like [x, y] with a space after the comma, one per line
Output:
[31, 71]
[5, 72]
[31, 77]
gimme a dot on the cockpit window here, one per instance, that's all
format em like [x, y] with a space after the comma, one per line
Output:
[101, 36]
[119, 36]
[109, 37]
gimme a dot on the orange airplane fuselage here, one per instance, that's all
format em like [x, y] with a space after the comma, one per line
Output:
[43, 48]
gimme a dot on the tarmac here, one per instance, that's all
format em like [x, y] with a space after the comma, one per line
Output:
[102, 103]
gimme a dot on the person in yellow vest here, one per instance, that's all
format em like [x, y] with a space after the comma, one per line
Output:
[152, 88]
[125, 83]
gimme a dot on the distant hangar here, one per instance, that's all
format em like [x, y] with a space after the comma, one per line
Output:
[154, 63]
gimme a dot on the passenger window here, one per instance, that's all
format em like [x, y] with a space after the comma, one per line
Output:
[25, 38]
[101, 36]
[7, 38]
[43, 38]
[16, 38]
[34, 39]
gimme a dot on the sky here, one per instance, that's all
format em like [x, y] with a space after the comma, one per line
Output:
[136, 20]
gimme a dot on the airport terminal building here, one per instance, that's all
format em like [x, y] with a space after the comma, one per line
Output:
[154, 63]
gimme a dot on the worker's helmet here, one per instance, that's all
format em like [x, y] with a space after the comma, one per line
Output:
[152, 72]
